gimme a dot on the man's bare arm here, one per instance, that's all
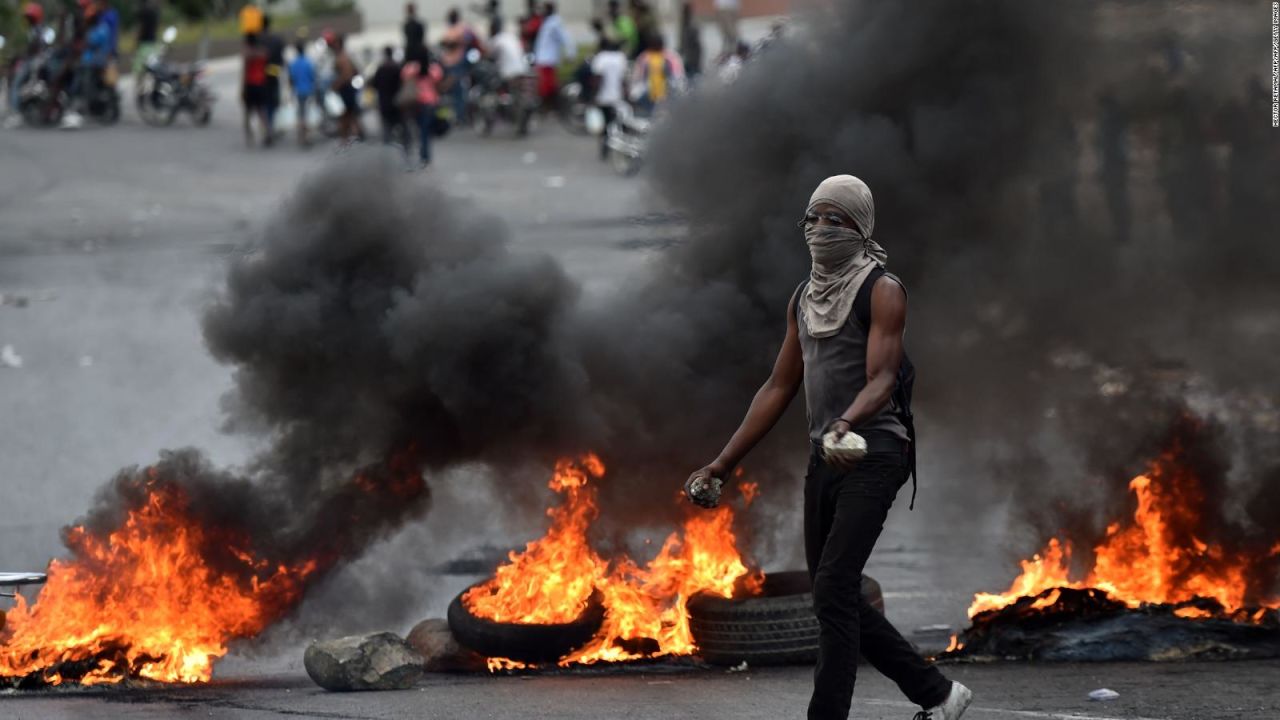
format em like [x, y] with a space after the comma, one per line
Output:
[884, 354]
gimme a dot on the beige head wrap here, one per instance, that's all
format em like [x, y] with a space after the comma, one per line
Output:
[842, 257]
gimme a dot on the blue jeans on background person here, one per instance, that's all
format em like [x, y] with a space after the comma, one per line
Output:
[456, 76]
[426, 118]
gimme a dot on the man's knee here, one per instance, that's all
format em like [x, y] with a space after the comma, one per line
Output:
[836, 595]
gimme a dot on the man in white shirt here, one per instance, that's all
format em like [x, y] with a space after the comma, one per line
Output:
[610, 65]
[550, 49]
[508, 52]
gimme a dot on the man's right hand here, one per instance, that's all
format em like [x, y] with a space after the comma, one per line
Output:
[704, 485]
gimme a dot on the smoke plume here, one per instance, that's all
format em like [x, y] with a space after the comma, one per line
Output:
[1082, 231]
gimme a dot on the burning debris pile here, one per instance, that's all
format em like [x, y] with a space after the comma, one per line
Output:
[558, 579]
[158, 598]
[1175, 580]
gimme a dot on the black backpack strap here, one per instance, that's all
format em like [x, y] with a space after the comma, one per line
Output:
[862, 301]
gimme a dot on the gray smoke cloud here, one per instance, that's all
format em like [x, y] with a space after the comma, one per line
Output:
[383, 331]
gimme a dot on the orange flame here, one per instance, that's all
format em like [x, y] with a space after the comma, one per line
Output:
[553, 579]
[1157, 557]
[144, 602]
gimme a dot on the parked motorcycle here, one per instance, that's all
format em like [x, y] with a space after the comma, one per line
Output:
[627, 140]
[494, 100]
[166, 89]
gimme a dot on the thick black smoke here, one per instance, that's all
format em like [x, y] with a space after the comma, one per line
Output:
[1076, 197]
[382, 330]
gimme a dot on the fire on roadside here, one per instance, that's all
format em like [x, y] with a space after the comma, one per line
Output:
[1158, 556]
[148, 600]
[554, 577]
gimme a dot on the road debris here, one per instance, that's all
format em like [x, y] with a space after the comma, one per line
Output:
[375, 662]
[1104, 694]
[10, 357]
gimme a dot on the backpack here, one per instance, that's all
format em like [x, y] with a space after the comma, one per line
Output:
[906, 381]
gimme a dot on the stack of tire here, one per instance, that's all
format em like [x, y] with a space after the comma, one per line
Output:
[777, 627]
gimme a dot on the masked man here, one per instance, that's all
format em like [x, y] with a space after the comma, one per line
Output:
[845, 327]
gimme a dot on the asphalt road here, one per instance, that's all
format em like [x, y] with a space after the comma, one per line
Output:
[111, 241]
[1219, 691]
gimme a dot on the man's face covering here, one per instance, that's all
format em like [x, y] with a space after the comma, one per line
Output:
[842, 256]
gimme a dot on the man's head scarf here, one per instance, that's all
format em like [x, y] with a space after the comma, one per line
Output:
[842, 257]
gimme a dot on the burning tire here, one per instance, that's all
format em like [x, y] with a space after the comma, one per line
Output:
[777, 627]
[523, 642]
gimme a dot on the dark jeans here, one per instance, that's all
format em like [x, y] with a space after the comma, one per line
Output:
[426, 118]
[610, 117]
[844, 512]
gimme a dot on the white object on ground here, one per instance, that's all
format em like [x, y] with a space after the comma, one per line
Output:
[10, 357]
[850, 446]
[530, 158]
[555, 181]
[740, 667]
[86, 361]
[954, 706]
[1104, 694]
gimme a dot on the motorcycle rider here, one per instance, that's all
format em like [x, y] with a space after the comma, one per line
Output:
[33, 14]
[507, 52]
[93, 62]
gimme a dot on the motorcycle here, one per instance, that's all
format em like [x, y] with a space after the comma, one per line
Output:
[627, 139]
[166, 89]
[493, 99]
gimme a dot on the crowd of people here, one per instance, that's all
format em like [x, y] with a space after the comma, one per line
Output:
[420, 90]
[75, 53]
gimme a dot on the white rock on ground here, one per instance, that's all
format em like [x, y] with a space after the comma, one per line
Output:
[374, 662]
[440, 651]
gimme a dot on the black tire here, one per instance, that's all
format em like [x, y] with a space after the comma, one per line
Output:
[526, 643]
[777, 627]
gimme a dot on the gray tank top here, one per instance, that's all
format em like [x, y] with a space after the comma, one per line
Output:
[835, 371]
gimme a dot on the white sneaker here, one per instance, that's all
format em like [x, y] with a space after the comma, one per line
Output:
[71, 121]
[951, 708]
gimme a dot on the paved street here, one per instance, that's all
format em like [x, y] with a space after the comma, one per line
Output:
[113, 239]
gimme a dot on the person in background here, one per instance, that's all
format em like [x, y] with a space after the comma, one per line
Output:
[425, 75]
[530, 24]
[458, 38]
[322, 61]
[302, 81]
[552, 47]
[623, 29]
[690, 42]
[253, 91]
[111, 18]
[344, 75]
[94, 57]
[658, 74]
[273, 46]
[33, 15]
[646, 24]
[610, 65]
[386, 82]
[727, 17]
[507, 52]
[250, 19]
[415, 32]
[148, 27]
